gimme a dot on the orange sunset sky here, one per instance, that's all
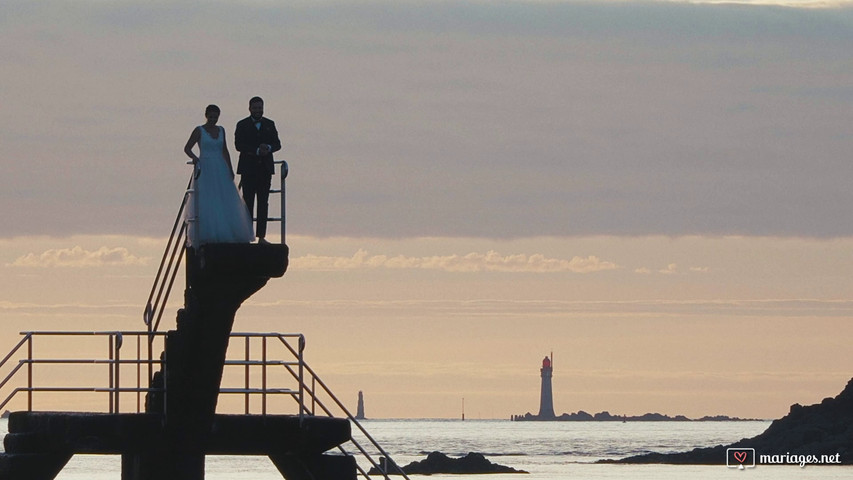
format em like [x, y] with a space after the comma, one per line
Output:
[657, 192]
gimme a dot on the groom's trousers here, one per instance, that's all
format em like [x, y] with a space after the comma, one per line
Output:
[257, 184]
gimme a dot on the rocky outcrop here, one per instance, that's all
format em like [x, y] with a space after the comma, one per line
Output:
[825, 428]
[582, 416]
[437, 462]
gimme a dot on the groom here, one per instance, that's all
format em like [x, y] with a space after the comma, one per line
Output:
[256, 138]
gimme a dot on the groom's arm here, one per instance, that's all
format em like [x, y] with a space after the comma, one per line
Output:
[241, 140]
[274, 142]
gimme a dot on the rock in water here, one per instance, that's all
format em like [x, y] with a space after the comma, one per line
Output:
[437, 462]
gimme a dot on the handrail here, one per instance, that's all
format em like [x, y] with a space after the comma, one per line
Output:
[149, 308]
[165, 279]
[285, 169]
[26, 339]
[312, 391]
[113, 361]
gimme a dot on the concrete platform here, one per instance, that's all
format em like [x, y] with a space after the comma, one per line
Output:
[241, 259]
[113, 434]
[39, 444]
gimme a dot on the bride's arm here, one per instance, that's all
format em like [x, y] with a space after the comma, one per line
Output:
[225, 153]
[188, 148]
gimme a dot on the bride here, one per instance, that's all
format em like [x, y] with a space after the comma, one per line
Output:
[220, 214]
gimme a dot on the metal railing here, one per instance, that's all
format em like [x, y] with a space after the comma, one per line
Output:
[195, 220]
[113, 361]
[387, 463]
[285, 169]
[268, 358]
[116, 367]
[168, 269]
[294, 368]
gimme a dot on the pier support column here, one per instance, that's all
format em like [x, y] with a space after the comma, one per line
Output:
[220, 277]
[162, 465]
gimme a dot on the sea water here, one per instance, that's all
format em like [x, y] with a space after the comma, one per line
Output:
[547, 450]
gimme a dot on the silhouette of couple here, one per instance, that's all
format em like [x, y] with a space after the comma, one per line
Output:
[221, 216]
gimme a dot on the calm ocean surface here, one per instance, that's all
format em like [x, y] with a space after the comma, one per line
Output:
[548, 450]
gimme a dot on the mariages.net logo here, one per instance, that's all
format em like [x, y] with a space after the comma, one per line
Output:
[743, 458]
[740, 458]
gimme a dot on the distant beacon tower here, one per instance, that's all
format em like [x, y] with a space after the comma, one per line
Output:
[546, 399]
[360, 413]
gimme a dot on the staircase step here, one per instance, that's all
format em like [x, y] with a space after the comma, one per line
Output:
[17, 443]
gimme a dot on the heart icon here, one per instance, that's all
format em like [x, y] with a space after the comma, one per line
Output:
[740, 456]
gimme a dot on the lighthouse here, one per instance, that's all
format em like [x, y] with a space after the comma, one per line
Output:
[546, 398]
[360, 412]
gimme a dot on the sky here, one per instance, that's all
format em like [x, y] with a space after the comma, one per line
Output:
[656, 192]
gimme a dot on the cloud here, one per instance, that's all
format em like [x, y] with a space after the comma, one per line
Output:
[78, 257]
[490, 261]
[780, 3]
[634, 311]
[670, 269]
[461, 119]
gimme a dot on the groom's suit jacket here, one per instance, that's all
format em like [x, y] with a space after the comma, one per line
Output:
[247, 138]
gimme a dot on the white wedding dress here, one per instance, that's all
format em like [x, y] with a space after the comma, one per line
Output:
[221, 215]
